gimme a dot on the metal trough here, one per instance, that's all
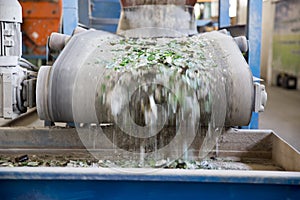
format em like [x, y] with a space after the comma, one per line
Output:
[275, 174]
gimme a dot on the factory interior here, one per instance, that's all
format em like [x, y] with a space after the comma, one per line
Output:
[149, 99]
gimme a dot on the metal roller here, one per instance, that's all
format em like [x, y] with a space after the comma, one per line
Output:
[70, 90]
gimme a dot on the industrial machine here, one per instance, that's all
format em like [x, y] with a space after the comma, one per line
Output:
[146, 79]
[155, 95]
[58, 108]
[18, 76]
[149, 77]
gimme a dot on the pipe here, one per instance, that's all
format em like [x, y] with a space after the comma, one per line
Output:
[57, 41]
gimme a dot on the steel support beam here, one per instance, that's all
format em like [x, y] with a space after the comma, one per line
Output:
[254, 36]
[224, 19]
[70, 16]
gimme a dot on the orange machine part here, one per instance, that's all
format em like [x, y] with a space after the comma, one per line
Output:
[40, 19]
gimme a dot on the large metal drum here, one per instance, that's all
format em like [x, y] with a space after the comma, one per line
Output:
[75, 80]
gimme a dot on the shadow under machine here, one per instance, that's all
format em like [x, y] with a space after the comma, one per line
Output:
[155, 95]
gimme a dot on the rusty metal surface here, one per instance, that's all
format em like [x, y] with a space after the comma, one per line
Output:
[40, 19]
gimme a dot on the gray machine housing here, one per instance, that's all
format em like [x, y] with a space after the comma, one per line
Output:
[17, 84]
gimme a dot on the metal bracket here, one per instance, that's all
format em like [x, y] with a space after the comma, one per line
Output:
[7, 97]
[29, 92]
[260, 97]
[8, 61]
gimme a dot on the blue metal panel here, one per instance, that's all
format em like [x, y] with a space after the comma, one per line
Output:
[70, 183]
[132, 190]
[224, 19]
[106, 14]
[84, 12]
[254, 121]
[254, 36]
[106, 8]
[100, 14]
[70, 16]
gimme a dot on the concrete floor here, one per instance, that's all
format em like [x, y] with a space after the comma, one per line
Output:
[282, 114]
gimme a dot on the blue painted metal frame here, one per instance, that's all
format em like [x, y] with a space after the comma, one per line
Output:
[254, 36]
[70, 16]
[224, 19]
[135, 190]
[71, 183]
